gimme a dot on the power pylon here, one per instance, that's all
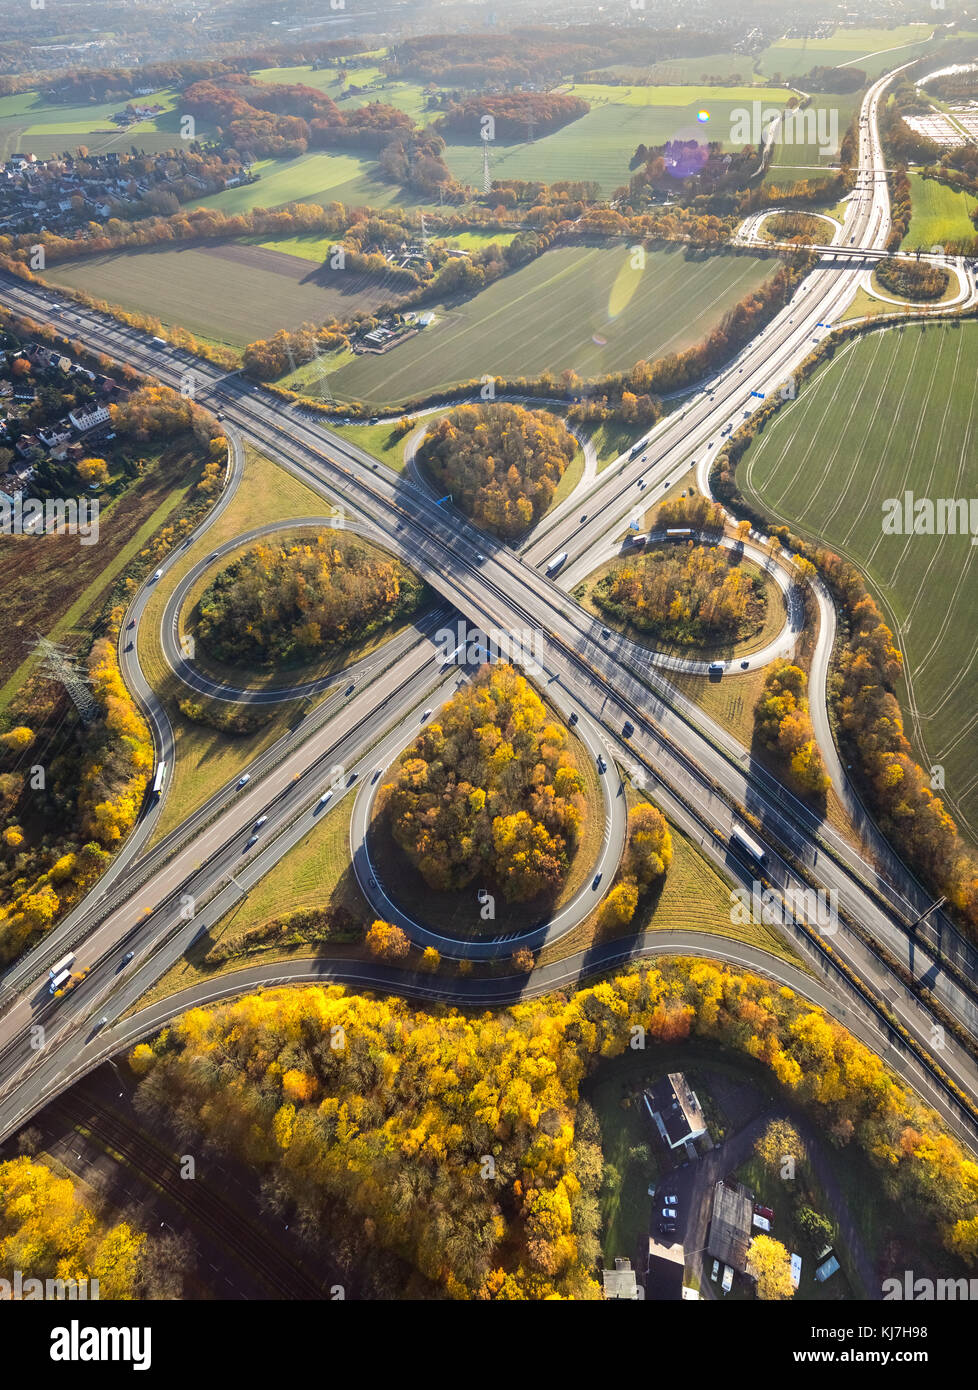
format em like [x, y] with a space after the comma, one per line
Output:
[59, 665]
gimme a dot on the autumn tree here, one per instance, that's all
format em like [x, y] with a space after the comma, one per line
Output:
[93, 470]
[769, 1264]
[286, 601]
[501, 463]
[684, 594]
[490, 787]
[779, 1148]
[782, 724]
[387, 941]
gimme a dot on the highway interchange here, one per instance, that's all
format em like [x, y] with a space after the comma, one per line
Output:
[155, 903]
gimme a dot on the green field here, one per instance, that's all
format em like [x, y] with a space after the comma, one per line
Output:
[872, 50]
[406, 96]
[231, 293]
[350, 179]
[599, 145]
[678, 71]
[801, 157]
[28, 123]
[894, 412]
[940, 214]
[581, 307]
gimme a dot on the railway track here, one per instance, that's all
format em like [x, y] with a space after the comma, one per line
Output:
[204, 1208]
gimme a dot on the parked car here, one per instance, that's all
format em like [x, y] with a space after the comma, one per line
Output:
[671, 1201]
[667, 1228]
[669, 1213]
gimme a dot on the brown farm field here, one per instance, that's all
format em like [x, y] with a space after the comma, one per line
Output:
[57, 586]
[230, 292]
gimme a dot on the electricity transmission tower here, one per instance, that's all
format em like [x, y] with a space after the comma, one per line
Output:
[59, 665]
[486, 176]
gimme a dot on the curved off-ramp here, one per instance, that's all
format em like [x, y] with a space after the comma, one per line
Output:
[184, 669]
[779, 647]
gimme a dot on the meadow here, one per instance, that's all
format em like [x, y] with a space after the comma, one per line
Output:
[811, 159]
[31, 124]
[581, 307]
[940, 214]
[894, 412]
[317, 177]
[231, 293]
[871, 50]
[599, 145]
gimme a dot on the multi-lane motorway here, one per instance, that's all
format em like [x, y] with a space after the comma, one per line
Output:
[702, 779]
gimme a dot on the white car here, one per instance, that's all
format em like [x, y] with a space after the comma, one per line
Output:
[243, 779]
[671, 1200]
[668, 1213]
[324, 798]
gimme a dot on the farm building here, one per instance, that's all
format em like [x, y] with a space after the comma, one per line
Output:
[730, 1225]
[620, 1282]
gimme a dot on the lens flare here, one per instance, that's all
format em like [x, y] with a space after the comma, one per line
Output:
[702, 117]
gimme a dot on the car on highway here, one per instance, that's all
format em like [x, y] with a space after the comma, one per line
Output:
[426, 715]
[744, 665]
[128, 957]
[584, 516]
[324, 798]
[260, 822]
[252, 841]
[131, 622]
[642, 483]
[716, 668]
[245, 777]
[606, 632]
[480, 557]
[627, 729]
[157, 575]
[574, 717]
[602, 765]
[378, 772]
[595, 881]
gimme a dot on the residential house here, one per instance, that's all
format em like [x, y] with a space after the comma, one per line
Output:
[675, 1110]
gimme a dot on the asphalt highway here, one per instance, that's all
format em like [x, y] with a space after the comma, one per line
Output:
[699, 783]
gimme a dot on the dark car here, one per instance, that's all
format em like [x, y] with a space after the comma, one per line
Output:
[628, 728]
[574, 717]
[667, 1228]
